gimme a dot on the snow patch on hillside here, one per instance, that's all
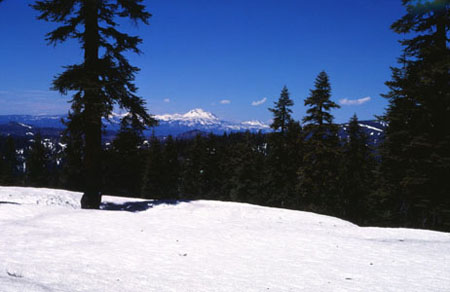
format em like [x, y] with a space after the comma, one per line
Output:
[25, 126]
[256, 124]
[370, 127]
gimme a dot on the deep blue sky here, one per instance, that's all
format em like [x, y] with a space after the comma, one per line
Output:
[200, 52]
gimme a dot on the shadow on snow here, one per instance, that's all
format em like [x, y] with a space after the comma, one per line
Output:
[12, 203]
[138, 206]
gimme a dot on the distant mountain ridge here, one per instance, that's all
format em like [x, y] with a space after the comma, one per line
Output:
[196, 120]
[169, 124]
[37, 121]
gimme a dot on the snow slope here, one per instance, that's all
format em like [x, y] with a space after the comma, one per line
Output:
[48, 243]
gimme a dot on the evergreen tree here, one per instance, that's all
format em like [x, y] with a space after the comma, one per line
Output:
[319, 120]
[72, 176]
[226, 165]
[318, 174]
[282, 112]
[247, 164]
[9, 163]
[153, 185]
[194, 168]
[171, 168]
[100, 81]
[212, 171]
[124, 164]
[282, 162]
[294, 159]
[416, 152]
[37, 163]
[357, 173]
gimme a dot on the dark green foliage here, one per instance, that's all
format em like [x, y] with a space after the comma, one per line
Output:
[37, 164]
[124, 163]
[153, 183]
[319, 172]
[357, 174]
[318, 115]
[72, 174]
[282, 112]
[193, 169]
[247, 162]
[161, 178]
[282, 162]
[227, 161]
[294, 151]
[211, 175]
[416, 152]
[9, 174]
[282, 154]
[171, 168]
[103, 79]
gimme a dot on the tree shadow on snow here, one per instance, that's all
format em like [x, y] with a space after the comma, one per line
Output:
[12, 203]
[138, 206]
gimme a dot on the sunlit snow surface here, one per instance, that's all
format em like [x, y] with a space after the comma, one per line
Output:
[48, 243]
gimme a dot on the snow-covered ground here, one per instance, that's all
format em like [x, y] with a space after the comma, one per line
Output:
[47, 243]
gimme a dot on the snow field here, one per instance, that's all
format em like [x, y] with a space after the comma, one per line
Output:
[48, 243]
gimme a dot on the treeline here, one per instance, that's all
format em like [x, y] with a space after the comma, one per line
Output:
[266, 169]
[29, 162]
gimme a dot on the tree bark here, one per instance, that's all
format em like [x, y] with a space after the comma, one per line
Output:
[93, 109]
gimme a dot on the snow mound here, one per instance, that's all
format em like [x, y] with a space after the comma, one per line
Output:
[48, 243]
[39, 197]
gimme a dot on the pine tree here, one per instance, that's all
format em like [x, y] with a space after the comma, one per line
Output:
[357, 175]
[282, 162]
[37, 163]
[100, 81]
[125, 162]
[318, 175]
[9, 163]
[171, 168]
[282, 112]
[226, 165]
[72, 176]
[192, 178]
[153, 185]
[247, 164]
[211, 170]
[416, 152]
[294, 159]
[319, 120]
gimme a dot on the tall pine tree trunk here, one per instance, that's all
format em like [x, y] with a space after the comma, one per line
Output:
[93, 109]
[99, 82]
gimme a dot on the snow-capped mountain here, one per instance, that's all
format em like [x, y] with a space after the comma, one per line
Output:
[193, 117]
[39, 121]
[169, 124]
[198, 119]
